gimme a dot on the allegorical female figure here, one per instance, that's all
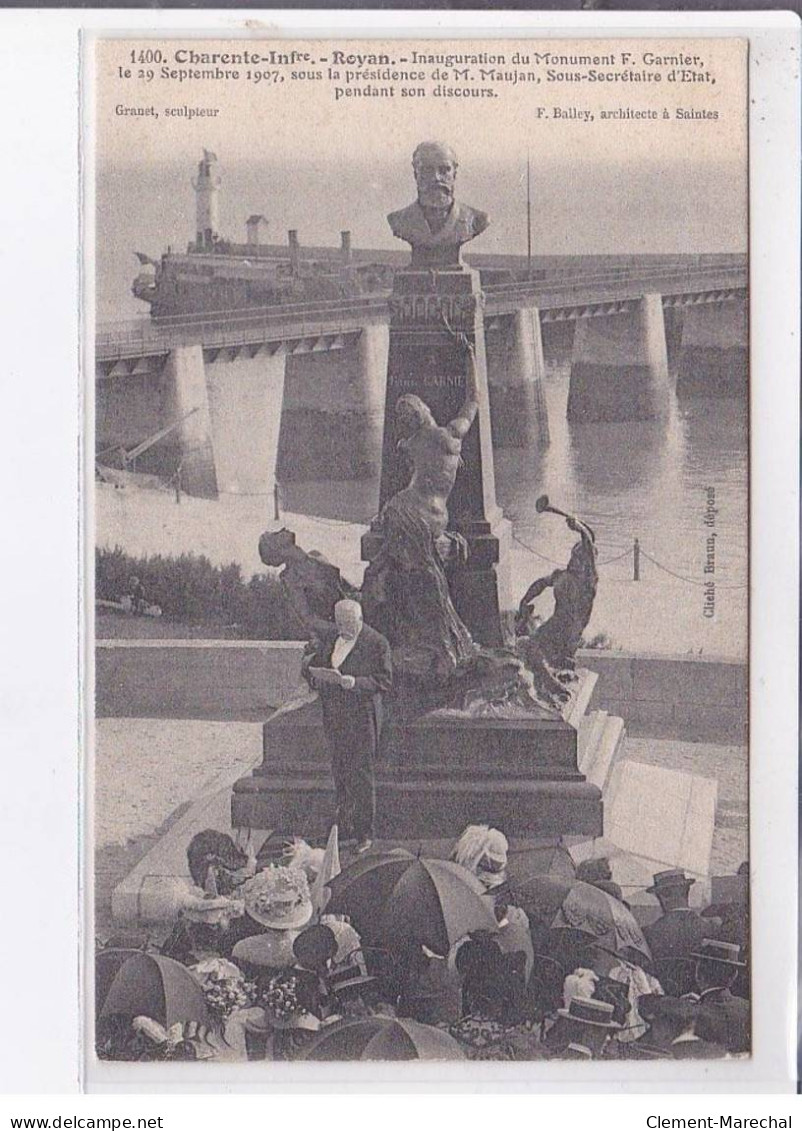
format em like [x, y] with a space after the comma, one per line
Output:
[574, 590]
[405, 591]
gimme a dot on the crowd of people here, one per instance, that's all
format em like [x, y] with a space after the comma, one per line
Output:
[495, 953]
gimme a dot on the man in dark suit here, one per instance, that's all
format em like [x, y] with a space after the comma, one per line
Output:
[723, 1017]
[680, 929]
[350, 667]
[672, 1031]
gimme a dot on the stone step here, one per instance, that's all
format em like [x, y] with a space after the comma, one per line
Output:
[602, 755]
[588, 735]
[582, 693]
[410, 806]
[663, 817]
[149, 892]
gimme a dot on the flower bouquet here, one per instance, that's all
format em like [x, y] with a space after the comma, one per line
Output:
[282, 1004]
[224, 987]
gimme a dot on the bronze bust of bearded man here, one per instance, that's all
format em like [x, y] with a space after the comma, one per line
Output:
[436, 225]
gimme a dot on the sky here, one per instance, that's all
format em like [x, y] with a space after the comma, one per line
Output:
[306, 162]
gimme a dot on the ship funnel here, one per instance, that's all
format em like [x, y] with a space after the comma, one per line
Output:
[345, 248]
[295, 251]
[255, 228]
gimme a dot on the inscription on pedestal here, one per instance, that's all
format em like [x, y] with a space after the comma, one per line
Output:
[421, 310]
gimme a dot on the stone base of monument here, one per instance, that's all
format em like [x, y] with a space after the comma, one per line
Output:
[434, 776]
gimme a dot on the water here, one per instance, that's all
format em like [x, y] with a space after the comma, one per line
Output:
[639, 479]
[644, 480]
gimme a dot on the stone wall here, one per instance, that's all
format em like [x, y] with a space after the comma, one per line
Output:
[658, 696]
[195, 679]
[693, 698]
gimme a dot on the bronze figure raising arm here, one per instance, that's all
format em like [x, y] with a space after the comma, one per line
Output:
[462, 422]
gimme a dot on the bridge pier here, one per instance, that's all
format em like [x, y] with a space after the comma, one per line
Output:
[515, 372]
[673, 317]
[714, 355]
[331, 425]
[245, 394]
[619, 369]
[184, 389]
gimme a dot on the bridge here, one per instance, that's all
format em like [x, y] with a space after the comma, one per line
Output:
[286, 380]
[602, 294]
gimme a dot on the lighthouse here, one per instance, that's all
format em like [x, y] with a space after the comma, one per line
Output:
[206, 188]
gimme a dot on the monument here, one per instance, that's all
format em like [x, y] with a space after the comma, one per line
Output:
[436, 335]
[475, 734]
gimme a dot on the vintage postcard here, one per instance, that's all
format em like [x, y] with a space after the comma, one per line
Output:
[421, 478]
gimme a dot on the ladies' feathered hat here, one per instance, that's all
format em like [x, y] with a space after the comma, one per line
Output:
[278, 897]
[480, 842]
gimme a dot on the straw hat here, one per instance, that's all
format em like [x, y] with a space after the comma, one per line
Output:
[712, 950]
[349, 978]
[590, 1012]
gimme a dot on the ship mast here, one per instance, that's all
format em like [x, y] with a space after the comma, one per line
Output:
[528, 220]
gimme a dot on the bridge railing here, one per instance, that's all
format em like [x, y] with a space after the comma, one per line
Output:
[220, 328]
[689, 278]
[227, 327]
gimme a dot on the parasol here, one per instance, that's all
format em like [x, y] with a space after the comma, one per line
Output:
[573, 904]
[151, 985]
[539, 860]
[383, 1038]
[394, 898]
[107, 966]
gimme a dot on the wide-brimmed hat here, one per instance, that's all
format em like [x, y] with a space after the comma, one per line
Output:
[278, 897]
[589, 1011]
[713, 950]
[349, 978]
[670, 878]
[270, 950]
[479, 843]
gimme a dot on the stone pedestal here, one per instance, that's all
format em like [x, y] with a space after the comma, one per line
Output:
[619, 369]
[433, 777]
[425, 359]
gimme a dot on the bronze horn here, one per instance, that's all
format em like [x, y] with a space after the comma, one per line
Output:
[543, 504]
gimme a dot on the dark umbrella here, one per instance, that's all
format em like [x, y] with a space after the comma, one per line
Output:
[394, 898]
[575, 905]
[151, 985]
[539, 860]
[107, 966]
[383, 1038]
